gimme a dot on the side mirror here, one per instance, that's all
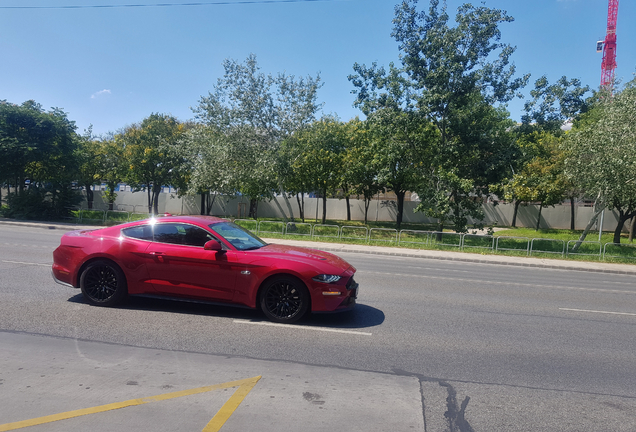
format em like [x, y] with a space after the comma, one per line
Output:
[213, 245]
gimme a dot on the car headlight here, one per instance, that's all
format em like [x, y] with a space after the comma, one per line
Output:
[325, 278]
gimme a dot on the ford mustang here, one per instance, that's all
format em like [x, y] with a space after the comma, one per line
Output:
[203, 258]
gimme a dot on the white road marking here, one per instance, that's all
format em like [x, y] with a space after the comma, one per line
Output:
[360, 273]
[27, 263]
[292, 326]
[595, 311]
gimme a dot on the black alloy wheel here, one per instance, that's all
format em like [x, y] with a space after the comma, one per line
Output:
[103, 283]
[284, 300]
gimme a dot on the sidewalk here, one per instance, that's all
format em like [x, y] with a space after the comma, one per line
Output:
[589, 266]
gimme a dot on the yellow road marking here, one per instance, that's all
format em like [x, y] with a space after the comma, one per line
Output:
[219, 419]
[231, 405]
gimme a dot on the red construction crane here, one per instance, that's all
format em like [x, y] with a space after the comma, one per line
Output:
[609, 46]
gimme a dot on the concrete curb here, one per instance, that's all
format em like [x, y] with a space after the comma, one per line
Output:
[587, 266]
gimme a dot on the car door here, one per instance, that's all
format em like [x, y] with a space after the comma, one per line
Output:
[180, 266]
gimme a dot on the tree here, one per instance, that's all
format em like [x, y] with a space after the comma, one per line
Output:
[601, 154]
[362, 171]
[403, 145]
[203, 156]
[452, 76]
[465, 167]
[89, 155]
[38, 147]
[113, 167]
[321, 160]
[540, 180]
[33, 143]
[256, 112]
[148, 157]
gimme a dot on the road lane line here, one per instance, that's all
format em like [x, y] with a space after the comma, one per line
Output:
[424, 276]
[230, 406]
[595, 311]
[224, 413]
[27, 263]
[292, 326]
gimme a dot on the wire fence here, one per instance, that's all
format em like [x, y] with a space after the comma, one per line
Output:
[407, 238]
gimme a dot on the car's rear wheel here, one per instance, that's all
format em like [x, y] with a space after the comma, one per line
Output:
[284, 299]
[103, 283]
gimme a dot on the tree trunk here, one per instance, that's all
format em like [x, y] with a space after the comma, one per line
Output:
[440, 230]
[348, 208]
[631, 229]
[619, 226]
[253, 208]
[514, 214]
[539, 217]
[324, 206]
[149, 199]
[156, 192]
[623, 217]
[111, 194]
[572, 225]
[90, 195]
[203, 204]
[367, 203]
[400, 208]
[300, 198]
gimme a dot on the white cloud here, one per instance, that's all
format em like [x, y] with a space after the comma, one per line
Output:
[100, 93]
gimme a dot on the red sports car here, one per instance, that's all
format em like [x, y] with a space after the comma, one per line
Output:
[203, 258]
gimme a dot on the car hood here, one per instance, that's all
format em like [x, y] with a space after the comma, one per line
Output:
[318, 258]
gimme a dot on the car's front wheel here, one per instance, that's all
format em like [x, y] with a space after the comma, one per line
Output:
[284, 299]
[103, 283]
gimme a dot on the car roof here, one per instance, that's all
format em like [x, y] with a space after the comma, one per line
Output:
[203, 221]
[196, 219]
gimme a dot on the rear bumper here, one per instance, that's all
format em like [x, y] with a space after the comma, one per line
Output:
[59, 277]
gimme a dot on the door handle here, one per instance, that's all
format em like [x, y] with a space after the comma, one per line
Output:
[158, 255]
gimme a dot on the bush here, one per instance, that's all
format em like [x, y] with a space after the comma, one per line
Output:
[42, 203]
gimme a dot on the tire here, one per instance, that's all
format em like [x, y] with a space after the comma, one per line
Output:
[284, 299]
[103, 283]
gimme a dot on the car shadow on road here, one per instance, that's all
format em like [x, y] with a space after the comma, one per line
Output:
[362, 316]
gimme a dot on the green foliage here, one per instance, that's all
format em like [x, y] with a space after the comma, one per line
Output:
[451, 76]
[37, 148]
[601, 153]
[553, 104]
[250, 114]
[34, 144]
[42, 203]
[323, 147]
[404, 146]
[361, 176]
[148, 157]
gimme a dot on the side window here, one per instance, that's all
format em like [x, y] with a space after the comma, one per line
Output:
[195, 236]
[167, 233]
[141, 232]
[182, 234]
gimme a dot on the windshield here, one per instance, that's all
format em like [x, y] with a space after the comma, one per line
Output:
[238, 236]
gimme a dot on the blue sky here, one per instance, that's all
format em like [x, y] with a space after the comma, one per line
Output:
[111, 67]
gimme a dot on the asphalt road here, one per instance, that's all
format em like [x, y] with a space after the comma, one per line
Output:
[523, 348]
